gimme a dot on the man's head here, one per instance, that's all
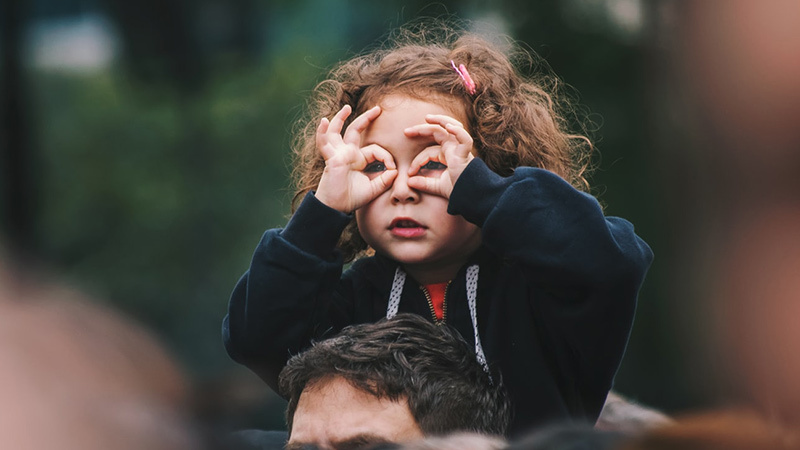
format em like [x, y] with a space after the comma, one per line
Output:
[394, 380]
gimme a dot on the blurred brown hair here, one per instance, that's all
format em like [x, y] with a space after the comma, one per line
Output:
[514, 120]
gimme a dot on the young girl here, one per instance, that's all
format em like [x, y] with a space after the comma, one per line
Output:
[457, 176]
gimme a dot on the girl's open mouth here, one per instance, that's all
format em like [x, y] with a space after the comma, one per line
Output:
[406, 228]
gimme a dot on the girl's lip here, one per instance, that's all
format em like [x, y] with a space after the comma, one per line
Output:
[410, 228]
[407, 232]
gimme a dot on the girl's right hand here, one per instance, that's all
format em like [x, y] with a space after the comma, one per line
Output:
[347, 184]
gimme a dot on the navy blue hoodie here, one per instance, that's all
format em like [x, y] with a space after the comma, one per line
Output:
[556, 294]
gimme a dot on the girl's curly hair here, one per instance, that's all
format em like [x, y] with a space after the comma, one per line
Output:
[515, 120]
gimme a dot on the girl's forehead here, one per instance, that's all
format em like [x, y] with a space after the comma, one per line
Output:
[450, 105]
[399, 113]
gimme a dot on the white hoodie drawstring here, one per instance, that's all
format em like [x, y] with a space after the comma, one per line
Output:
[395, 293]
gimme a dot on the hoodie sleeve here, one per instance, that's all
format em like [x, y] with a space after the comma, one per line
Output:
[586, 269]
[291, 293]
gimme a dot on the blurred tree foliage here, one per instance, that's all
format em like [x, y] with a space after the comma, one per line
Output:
[160, 174]
[155, 199]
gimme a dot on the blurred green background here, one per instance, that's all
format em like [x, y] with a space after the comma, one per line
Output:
[146, 150]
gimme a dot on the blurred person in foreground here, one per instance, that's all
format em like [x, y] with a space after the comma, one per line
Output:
[570, 436]
[720, 430]
[620, 420]
[396, 380]
[741, 66]
[76, 376]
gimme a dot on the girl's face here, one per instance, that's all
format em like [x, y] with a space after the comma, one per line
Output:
[410, 226]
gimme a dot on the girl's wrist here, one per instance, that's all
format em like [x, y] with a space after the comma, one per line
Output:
[329, 202]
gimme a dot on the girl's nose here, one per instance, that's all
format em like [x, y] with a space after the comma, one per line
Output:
[401, 191]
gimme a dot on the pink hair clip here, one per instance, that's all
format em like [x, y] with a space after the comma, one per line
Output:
[461, 70]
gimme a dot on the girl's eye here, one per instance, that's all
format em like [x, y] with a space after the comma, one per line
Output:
[375, 167]
[433, 165]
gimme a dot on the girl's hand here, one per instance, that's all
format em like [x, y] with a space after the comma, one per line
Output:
[436, 169]
[351, 177]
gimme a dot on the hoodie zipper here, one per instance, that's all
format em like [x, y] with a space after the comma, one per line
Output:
[444, 304]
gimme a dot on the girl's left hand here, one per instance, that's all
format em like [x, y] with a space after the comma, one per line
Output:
[436, 169]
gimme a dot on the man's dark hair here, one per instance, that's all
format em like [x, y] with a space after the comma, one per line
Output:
[406, 357]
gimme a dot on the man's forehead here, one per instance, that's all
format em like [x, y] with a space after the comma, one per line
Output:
[333, 411]
[353, 442]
